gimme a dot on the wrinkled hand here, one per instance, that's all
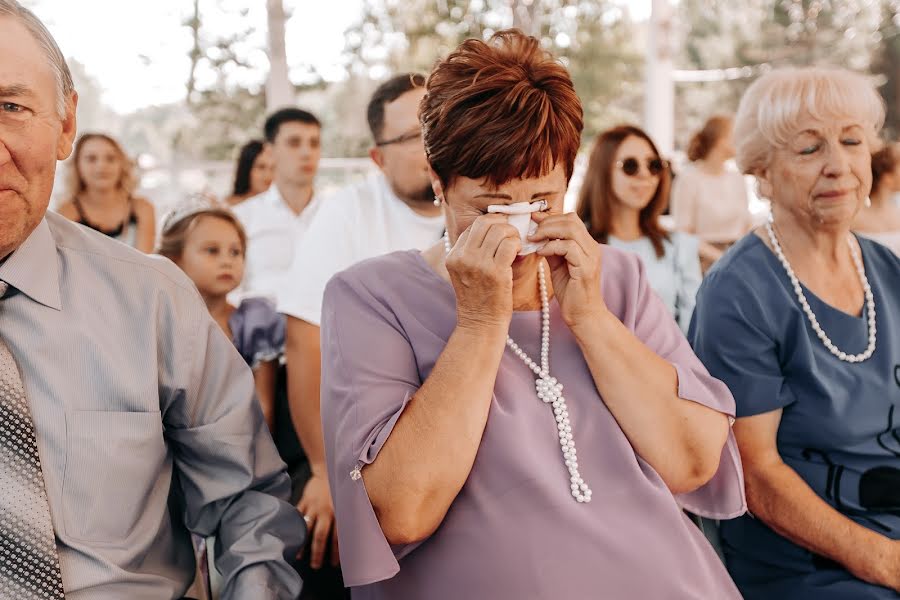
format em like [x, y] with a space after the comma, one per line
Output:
[575, 260]
[480, 268]
[317, 508]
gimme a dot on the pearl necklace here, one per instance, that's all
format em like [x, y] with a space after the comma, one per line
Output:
[798, 290]
[549, 390]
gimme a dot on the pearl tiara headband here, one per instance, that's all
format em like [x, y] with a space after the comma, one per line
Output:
[196, 203]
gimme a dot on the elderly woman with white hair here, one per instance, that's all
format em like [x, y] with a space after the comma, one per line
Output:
[802, 320]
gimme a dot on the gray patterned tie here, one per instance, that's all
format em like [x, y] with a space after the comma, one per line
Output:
[29, 564]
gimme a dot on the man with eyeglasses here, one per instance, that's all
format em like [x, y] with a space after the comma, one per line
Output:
[391, 210]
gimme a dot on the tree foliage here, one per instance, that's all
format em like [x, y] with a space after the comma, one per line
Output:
[594, 38]
[762, 34]
[224, 112]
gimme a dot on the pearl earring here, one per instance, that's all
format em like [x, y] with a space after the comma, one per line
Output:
[868, 202]
[437, 200]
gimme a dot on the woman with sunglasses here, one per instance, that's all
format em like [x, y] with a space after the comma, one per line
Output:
[625, 190]
[708, 199]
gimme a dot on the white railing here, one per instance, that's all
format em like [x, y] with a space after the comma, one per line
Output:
[167, 185]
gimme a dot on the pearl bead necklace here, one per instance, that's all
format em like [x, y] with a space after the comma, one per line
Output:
[549, 390]
[798, 290]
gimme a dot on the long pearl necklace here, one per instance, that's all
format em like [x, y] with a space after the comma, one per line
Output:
[549, 390]
[798, 290]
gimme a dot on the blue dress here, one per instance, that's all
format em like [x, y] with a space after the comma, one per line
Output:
[257, 331]
[839, 426]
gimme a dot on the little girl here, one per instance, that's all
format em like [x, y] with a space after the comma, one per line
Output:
[209, 244]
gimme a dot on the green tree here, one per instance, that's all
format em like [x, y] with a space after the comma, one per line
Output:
[885, 65]
[759, 34]
[224, 112]
[593, 38]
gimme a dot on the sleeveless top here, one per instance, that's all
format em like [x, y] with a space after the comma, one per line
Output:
[126, 232]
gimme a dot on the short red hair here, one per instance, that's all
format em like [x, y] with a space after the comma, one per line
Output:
[501, 110]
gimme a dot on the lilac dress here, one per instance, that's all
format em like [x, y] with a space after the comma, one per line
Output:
[514, 531]
[257, 331]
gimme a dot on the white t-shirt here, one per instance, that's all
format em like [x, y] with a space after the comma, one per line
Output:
[360, 221]
[273, 234]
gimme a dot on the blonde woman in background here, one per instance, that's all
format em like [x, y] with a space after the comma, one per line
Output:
[879, 220]
[101, 184]
[708, 199]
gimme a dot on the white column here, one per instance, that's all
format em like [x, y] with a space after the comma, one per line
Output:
[659, 98]
[279, 91]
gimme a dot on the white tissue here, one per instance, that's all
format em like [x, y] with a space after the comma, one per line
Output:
[519, 216]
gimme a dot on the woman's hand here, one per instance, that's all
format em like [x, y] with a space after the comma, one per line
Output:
[575, 265]
[480, 267]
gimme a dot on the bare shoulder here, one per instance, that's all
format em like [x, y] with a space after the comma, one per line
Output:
[142, 207]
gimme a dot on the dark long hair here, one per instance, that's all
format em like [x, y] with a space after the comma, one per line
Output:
[246, 158]
[596, 196]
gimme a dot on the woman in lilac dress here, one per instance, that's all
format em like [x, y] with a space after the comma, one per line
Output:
[513, 413]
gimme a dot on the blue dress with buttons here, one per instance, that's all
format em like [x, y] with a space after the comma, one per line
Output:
[840, 425]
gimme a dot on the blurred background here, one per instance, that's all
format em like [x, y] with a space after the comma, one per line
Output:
[183, 83]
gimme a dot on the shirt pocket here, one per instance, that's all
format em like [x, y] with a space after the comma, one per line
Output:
[114, 461]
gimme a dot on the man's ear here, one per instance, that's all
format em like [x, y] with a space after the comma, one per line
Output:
[377, 156]
[69, 129]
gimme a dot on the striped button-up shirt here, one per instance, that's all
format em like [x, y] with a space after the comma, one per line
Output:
[146, 424]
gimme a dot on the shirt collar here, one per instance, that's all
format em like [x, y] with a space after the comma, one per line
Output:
[33, 269]
[273, 195]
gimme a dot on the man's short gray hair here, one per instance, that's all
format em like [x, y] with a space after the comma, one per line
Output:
[64, 84]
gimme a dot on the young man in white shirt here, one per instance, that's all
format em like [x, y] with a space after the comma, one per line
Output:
[277, 219]
[391, 210]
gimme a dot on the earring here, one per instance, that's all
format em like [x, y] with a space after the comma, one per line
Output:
[437, 200]
[868, 202]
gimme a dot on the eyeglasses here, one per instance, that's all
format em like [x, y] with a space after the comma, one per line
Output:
[630, 166]
[401, 139]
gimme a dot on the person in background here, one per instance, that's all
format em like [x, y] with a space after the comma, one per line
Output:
[451, 444]
[208, 243]
[625, 191]
[129, 421]
[879, 218]
[708, 199]
[801, 319]
[101, 185]
[254, 172]
[277, 219]
[393, 209]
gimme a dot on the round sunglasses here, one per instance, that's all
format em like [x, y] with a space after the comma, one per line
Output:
[630, 166]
